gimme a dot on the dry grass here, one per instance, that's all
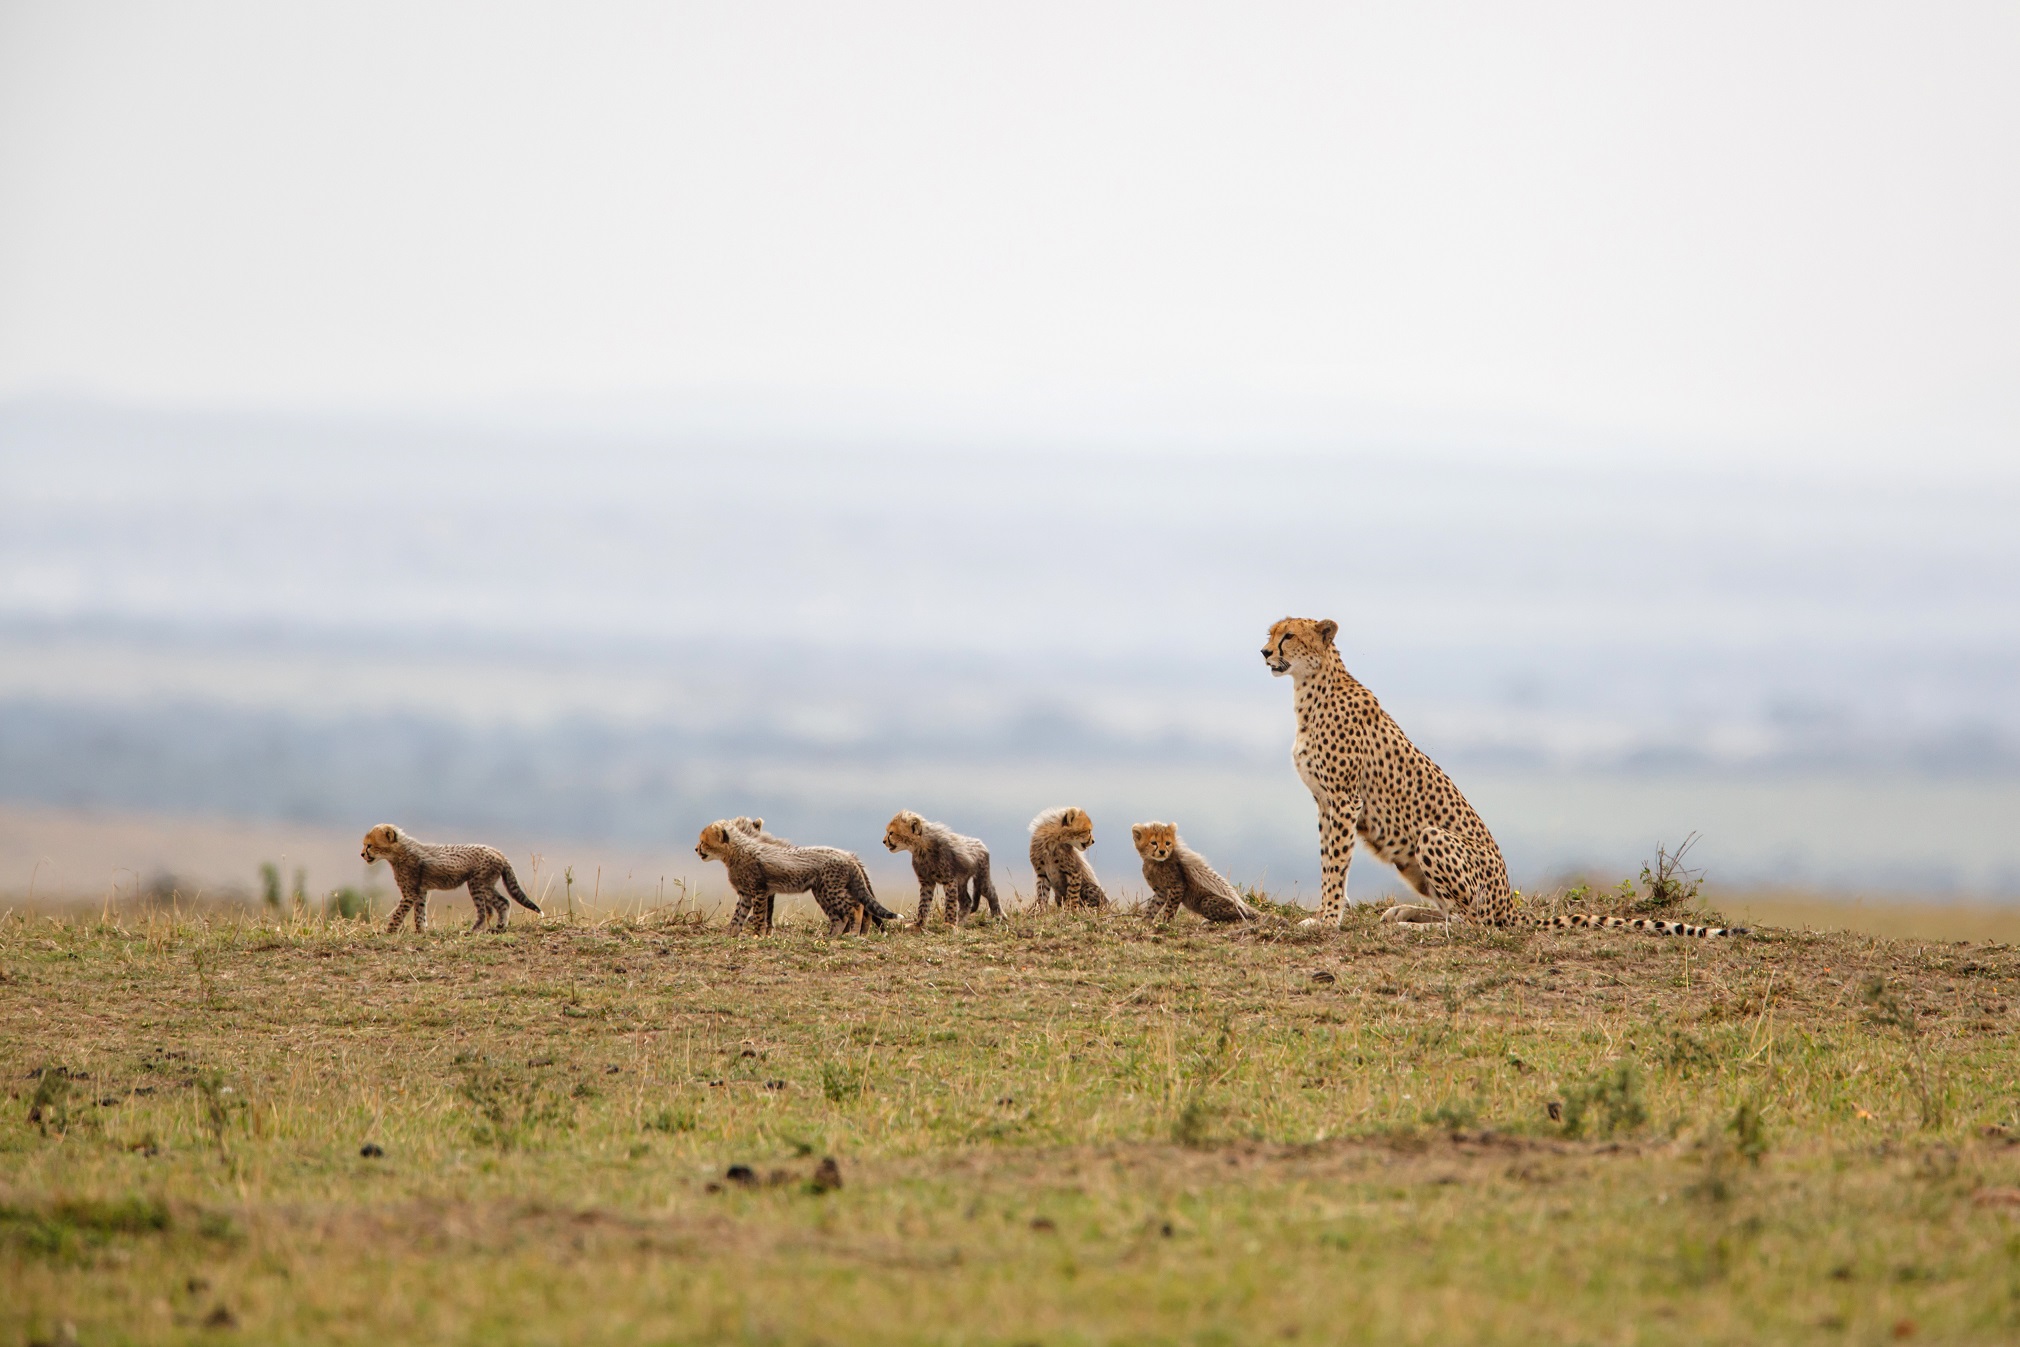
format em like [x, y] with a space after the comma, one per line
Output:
[1057, 1129]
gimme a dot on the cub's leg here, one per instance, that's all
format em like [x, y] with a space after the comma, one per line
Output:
[480, 894]
[1164, 904]
[1042, 885]
[749, 907]
[956, 902]
[410, 900]
[925, 902]
[1336, 855]
[1071, 898]
[501, 910]
[842, 910]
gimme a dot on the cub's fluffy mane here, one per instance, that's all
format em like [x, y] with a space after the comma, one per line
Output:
[927, 828]
[1050, 818]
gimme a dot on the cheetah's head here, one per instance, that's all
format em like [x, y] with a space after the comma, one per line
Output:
[715, 841]
[903, 831]
[1298, 645]
[1077, 828]
[1155, 841]
[381, 841]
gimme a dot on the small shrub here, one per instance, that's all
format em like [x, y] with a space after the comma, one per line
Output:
[1686, 1054]
[347, 903]
[1749, 1133]
[1454, 1115]
[222, 1102]
[1884, 1009]
[1608, 1103]
[1670, 884]
[49, 1108]
[1193, 1126]
[841, 1083]
[68, 1228]
[511, 1103]
[672, 1121]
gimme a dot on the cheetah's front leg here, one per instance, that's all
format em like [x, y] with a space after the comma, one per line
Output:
[1336, 854]
[415, 900]
[747, 908]
[925, 903]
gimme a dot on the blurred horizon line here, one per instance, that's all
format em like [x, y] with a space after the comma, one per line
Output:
[785, 420]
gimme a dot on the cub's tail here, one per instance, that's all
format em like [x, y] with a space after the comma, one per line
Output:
[518, 894]
[985, 886]
[1653, 925]
[860, 890]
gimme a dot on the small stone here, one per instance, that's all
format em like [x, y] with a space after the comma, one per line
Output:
[827, 1175]
[1323, 976]
[372, 1150]
[220, 1317]
[741, 1175]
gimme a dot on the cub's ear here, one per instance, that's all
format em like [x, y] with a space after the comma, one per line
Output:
[1327, 630]
[1137, 830]
[757, 823]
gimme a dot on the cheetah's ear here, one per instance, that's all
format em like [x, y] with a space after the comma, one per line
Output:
[1327, 629]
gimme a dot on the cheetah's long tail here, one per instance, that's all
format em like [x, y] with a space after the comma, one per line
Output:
[860, 890]
[518, 894]
[1653, 925]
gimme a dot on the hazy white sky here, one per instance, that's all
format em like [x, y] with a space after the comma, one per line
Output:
[1781, 228]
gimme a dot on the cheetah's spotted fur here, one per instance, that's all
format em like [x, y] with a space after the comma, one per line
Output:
[1371, 782]
[1178, 875]
[1058, 836]
[420, 867]
[760, 871]
[943, 858]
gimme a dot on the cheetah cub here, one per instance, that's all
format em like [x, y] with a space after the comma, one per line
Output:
[420, 868]
[940, 856]
[760, 871]
[1178, 875]
[1058, 836]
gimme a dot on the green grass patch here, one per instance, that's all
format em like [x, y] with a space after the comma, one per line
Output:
[1060, 1128]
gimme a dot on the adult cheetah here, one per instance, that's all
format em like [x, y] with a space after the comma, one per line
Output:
[1371, 782]
[421, 867]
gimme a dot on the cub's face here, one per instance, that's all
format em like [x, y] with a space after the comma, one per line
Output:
[1298, 645]
[380, 841]
[902, 831]
[714, 842]
[1077, 828]
[1155, 841]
